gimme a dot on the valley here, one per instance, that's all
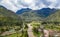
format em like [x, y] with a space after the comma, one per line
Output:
[29, 23]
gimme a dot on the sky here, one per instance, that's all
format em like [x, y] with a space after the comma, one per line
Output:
[15, 5]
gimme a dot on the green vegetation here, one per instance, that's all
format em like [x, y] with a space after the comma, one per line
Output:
[36, 26]
[36, 32]
[14, 35]
[53, 21]
[54, 17]
[51, 25]
[9, 18]
[11, 21]
[30, 16]
[19, 34]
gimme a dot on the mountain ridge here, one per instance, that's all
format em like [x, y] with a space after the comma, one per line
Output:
[7, 16]
[37, 14]
[29, 14]
[41, 12]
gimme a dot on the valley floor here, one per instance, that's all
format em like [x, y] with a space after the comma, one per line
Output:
[30, 33]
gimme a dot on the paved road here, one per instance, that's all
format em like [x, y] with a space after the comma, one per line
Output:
[30, 33]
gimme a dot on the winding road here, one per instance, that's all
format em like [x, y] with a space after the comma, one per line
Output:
[30, 33]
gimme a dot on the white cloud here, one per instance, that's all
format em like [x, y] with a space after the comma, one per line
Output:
[15, 5]
[51, 0]
[9, 5]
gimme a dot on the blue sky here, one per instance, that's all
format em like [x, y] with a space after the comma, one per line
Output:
[15, 5]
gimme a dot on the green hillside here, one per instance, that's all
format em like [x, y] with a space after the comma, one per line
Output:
[11, 21]
[54, 17]
[52, 21]
[31, 16]
[8, 20]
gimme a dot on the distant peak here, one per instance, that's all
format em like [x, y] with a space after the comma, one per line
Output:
[2, 7]
[44, 12]
[26, 9]
[47, 9]
[23, 10]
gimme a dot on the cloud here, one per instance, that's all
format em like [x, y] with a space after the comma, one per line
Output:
[15, 5]
[8, 5]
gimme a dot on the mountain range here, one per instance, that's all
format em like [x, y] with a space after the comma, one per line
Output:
[41, 14]
[44, 14]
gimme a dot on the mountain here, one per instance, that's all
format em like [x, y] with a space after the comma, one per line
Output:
[23, 10]
[54, 17]
[29, 14]
[44, 12]
[6, 12]
[7, 16]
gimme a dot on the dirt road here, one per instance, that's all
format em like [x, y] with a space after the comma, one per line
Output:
[30, 33]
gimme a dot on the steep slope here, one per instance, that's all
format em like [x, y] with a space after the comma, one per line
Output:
[8, 17]
[45, 12]
[54, 17]
[7, 13]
